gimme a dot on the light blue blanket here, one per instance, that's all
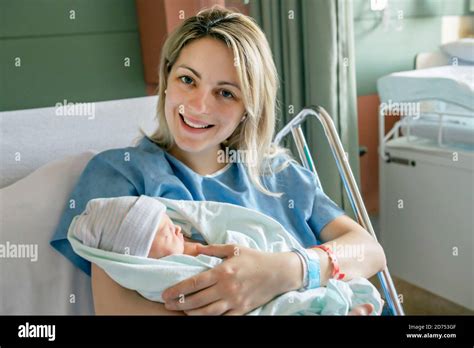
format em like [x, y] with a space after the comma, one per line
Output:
[222, 223]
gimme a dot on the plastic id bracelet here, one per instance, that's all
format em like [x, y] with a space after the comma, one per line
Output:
[336, 271]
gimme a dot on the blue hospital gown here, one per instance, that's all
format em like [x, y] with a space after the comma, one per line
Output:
[146, 169]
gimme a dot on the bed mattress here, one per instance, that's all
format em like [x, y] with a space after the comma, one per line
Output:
[450, 84]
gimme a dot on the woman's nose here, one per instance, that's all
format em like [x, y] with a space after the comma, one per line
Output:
[199, 102]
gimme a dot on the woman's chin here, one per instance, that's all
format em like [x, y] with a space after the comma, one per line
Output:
[190, 146]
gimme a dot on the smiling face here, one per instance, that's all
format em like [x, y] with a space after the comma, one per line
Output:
[168, 239]
[203, 103]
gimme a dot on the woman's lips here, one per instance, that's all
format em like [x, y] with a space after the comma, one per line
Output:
[193, 129]
[194, 121]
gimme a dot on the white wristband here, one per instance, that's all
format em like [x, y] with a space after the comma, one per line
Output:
[298, 252]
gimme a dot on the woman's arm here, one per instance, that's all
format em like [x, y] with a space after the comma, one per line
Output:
[112, 299]
[249, 278]
[358, 254]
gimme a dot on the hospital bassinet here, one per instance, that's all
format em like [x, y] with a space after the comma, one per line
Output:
[426, 179]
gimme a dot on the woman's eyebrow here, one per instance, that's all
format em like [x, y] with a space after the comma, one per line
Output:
[219, 83]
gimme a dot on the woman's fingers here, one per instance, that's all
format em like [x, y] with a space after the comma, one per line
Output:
[363, 309]
[194, 301]
[219, 250]
[234, 312]
[216, 308]
[188, 286]
[191, 248]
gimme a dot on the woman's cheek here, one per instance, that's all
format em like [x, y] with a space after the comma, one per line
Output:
[233, 125]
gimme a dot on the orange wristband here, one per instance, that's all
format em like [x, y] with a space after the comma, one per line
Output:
[336, 274]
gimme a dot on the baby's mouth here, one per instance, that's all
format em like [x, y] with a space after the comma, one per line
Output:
[194, 125]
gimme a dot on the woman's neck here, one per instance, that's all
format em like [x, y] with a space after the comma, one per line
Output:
[203, 163]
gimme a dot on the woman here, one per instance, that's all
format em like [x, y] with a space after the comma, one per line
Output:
[217, 90]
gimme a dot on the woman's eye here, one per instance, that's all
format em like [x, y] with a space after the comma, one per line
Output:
[227, 94]
[186, 79]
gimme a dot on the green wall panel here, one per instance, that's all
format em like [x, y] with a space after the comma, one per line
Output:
[52, 17]
[87, 68]
[77, 60]
[382, 49]
[415, 8]
[379, 52]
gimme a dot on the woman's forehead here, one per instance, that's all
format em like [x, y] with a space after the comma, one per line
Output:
[209, 57]
[208, 45]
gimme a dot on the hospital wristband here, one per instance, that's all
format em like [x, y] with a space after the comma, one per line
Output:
[336, 271]
[312, 278]
[305, 268]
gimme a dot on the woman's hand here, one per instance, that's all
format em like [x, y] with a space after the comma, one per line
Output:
[192, 248]
[363, 309]
[245, 280]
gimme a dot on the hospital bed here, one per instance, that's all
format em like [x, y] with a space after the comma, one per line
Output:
[42, 155]
[32, 198]
[427, 179]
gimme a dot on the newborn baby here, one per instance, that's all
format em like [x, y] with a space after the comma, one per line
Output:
[169, 240]
[160, 237]
[139, 240]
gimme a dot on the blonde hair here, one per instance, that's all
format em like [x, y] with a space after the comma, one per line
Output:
[259, 84]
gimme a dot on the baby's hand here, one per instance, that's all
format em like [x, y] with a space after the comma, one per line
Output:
[191, 248]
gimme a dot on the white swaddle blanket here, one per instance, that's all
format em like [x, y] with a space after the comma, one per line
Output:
[223, 223]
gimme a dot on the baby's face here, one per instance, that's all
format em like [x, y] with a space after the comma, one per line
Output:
[168, 239]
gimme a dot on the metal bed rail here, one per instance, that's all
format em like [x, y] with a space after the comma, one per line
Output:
[350, 185]
[407, 121]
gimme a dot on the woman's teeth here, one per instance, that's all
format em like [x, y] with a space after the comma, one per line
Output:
[192, 125]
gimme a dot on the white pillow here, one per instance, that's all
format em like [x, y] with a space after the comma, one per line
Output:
[462, 49]
[30, 210]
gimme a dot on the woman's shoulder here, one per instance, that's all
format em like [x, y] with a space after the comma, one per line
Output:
[131, 161]
[287, 168]
[145, 150]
